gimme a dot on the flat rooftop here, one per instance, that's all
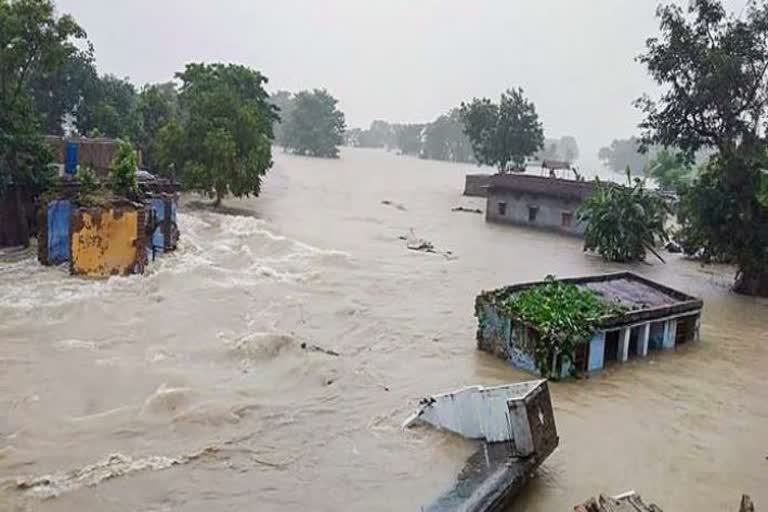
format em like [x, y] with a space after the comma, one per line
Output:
[642, 298]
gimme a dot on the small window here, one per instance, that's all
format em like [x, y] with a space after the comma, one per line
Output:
[502, 209]
[533, 211]
[566, 219]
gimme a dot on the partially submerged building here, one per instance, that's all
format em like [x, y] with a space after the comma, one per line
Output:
[516, 426]
[645, 316]
[537, 201]
[116, 236]
[69, 153]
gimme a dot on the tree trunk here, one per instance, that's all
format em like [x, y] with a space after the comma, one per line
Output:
[752, 282]
[217, 201]
[21, 218]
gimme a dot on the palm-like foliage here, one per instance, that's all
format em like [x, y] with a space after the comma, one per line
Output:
[624, 222]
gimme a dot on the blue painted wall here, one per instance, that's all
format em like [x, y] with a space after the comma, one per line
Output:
[597, 351]
[59, 213]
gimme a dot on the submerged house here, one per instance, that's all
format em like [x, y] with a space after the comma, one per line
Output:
[641, 316]
[537, 201]
[116, 236]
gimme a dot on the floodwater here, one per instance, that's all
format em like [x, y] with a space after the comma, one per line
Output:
[188, 390]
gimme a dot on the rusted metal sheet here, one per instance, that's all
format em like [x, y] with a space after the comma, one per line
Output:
[108, 241]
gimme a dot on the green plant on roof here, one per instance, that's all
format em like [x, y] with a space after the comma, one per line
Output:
[564, 315]
[123, 171]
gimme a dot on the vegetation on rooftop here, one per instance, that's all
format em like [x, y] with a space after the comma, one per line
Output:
[564, 315]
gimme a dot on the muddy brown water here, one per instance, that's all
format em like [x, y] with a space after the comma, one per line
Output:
[187, 389]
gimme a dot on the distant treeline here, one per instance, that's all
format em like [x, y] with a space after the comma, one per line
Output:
[443, 139]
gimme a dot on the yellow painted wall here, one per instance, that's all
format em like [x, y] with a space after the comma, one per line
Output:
[104, 243]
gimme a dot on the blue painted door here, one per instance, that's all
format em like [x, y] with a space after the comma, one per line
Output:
[158, 236]
[59, 213]
[70, 164]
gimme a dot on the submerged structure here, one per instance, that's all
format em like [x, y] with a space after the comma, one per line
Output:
[538, 201]
[115, 236]
[639, 316]
[516, 426]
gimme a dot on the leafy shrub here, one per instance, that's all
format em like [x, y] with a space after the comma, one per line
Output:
[623, 222]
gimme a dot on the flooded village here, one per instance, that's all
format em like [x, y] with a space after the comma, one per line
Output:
[214, 310]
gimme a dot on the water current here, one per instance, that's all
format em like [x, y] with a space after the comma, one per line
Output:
[187, 389]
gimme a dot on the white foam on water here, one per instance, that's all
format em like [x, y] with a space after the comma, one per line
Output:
[113, 466]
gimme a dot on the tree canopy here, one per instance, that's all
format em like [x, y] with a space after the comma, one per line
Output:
[623, 153]
[222, 143]
[34, 42]
[314, 126]
[712, 66]
[444, 139]
[503, 133]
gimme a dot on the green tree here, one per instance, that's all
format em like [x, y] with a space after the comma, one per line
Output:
[226, 130]
[670, 170]
[157, 106]
[444, 139]
[315, 126]
[33, 42]
[504, 133]
[168, 149]
[59, 92]
[122, 173]
[622, 223]
[283, 100]
[623, 153]
[712, 67]
[110, 106]
[409, 138]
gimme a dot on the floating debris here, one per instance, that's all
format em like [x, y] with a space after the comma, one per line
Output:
[466, 210]
[399, 206]
[315, 348]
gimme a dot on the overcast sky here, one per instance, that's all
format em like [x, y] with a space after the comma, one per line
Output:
[401, 60]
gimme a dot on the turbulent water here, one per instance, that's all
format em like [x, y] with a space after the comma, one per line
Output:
[188, 388]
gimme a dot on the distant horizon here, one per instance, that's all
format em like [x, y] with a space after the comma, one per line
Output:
[402, 62]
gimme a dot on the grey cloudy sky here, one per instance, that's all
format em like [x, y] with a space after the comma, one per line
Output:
[401, 60]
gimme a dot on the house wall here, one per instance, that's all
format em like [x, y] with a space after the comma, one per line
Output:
[108, 241]
[549, 216]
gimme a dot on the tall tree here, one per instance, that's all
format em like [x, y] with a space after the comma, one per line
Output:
[110, 107]
[623, 153]
[157, 106]
[226, 130]
[444, 139]
[315, 126]
[504, 133]
[59, 92]
[283, 100]
[409, 138]
[712, 67]
[33, 41]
